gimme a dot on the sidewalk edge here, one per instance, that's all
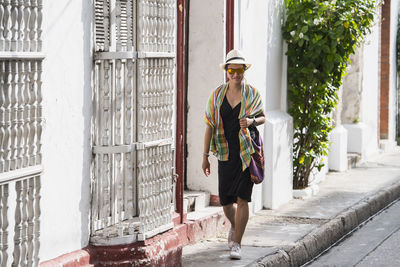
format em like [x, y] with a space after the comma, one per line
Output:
[327, 234]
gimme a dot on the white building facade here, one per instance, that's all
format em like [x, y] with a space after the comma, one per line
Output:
[88, 116]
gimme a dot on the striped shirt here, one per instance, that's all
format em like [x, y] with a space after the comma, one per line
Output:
[251, 107]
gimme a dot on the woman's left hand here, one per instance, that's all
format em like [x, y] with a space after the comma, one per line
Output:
[245, 122]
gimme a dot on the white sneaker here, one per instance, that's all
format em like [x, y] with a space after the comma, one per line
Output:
[230, 237]
[235, 251]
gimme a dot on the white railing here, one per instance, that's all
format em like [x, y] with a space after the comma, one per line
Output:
[4, 188]
[21, 25]
[20, 158]
[156, 26]
[132, 186]
[20, 131]
[20, 114]
[155, 181]
[113, 188]
[118, 158]
[155, 98]
[20, 215]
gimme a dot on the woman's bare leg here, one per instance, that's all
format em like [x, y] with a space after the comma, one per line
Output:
[230, 212]
[241, 218]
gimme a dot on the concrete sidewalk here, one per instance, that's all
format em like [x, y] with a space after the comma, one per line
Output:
[302, 229]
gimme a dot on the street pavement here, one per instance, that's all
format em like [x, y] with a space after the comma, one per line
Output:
[303, 228]
[375, 243]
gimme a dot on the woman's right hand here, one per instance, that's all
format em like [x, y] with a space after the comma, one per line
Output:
[207, 139]
[206, 166]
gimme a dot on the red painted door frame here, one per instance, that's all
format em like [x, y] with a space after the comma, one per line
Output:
[181, 93]
[384, 73]
[180, 109]
[230, 24]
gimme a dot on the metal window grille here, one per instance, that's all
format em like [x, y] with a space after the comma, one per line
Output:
[133, 145]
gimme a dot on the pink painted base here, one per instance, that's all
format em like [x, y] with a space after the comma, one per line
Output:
[214, 201]
[161, 250]
[73, 259]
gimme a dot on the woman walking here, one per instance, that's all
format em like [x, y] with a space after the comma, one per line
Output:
[231, 109]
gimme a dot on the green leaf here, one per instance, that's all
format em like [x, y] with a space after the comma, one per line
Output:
[316, 66]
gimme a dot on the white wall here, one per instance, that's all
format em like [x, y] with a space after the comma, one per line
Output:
[259, 36]
[279, 187]
[66, 136]
[370, 91]
[206, 52]
[251, 39]
[394, 10]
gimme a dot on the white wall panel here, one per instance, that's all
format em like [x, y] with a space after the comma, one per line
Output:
[67, 110]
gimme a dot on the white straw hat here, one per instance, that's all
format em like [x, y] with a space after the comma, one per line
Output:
[235, 57]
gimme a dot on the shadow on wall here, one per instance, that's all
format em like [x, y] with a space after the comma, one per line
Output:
[398, 82]
[398, 111]
[276, 11]
[84, 204]
[283, 128]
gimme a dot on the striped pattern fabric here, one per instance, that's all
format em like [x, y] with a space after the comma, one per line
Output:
[251, 107]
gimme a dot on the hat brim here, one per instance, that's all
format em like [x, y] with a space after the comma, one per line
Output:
[240, 62]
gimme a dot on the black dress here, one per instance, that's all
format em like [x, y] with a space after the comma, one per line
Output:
[232, 182]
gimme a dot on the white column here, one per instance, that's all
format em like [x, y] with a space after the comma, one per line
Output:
[278, 149]
[356, 138]
[337, 158]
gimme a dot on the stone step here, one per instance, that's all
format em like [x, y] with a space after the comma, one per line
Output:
[195, 200]
[209, 222]
[203, 213]
[353, 159]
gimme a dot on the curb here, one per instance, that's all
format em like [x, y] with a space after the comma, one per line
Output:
[327, 234]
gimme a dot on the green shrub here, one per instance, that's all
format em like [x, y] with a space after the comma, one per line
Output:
[321, 36]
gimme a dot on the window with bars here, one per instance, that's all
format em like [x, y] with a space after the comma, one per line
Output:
[133, 145]
[20, 131]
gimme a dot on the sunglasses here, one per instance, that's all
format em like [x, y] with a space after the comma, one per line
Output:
[233, 71]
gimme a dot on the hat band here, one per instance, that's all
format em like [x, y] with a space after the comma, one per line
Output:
[234, 59]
